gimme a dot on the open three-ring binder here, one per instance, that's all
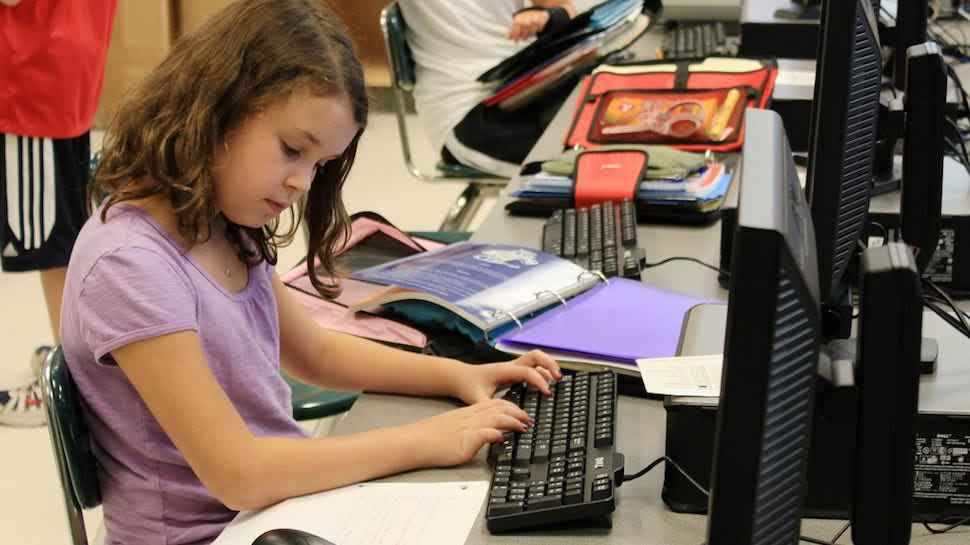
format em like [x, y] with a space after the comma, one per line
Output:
[518, 298]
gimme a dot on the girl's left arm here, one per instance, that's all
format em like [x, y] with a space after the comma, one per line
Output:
[335, 360]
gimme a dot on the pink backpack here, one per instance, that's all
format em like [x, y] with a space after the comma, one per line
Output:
[373, 240]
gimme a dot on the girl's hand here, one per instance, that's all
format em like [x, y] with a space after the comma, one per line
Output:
[527, 24]
[479, 382]
[455, 437]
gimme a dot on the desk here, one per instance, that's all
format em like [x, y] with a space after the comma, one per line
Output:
[640, 517]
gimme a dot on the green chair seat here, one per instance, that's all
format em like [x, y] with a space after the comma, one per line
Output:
[444, 237]
[310, 403]
[455, 170]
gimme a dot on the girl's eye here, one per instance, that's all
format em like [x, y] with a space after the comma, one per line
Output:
[290, 152]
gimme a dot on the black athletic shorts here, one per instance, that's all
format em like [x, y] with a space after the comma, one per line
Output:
[44, 185]
[510, 136]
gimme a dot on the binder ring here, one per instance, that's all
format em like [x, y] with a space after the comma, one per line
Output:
[554, 294]
[500, 312]
[597, 273]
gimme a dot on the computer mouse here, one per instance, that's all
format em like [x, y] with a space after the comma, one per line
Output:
[289, 536]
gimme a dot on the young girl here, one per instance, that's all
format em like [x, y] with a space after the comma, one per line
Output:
[174, 323]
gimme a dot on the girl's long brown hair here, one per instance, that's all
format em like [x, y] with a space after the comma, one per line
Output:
[252, 54]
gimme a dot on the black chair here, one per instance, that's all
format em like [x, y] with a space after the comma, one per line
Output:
[480, 185]
[76, 464]
[72, 449]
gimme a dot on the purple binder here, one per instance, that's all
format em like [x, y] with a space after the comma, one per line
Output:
[621, 321]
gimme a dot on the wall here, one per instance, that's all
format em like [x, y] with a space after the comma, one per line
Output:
[144, 31]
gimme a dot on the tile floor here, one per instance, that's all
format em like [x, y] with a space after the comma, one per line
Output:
[31, 504]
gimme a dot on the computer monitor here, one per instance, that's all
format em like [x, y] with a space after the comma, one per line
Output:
[921, 200]
[771, 350]
[842, 146]
[911, 19]
[887, 378]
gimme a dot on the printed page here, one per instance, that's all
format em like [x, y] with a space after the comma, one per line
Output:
[695, 376]
[371, 514]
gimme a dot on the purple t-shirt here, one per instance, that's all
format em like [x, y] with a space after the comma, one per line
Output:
[128, 280]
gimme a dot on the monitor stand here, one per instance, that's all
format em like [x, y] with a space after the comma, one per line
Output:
[888, 168]
[845, 349]
[888, 180]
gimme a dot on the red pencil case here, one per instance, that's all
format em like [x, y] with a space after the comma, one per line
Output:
[675, 117]
[674, 77]
[601, 176]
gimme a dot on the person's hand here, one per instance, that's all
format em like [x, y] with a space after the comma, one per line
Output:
[455, 437]
[479, 382]
[527, 24]
[10, 3]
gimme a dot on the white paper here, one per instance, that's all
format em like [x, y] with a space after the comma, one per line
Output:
[798, 78]
[696, 376]
[371, 514]
[567, 359]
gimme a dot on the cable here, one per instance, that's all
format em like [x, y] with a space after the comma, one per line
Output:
[698, 486]
[945, 316]
[836, 537]
[718, 270]
[882, 229]
[645, 470]
[947, 529]
[675, 465]
[965, 157]
[813, 540]
[941, 301]
[963, 321]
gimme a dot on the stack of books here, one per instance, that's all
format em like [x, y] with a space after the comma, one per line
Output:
[696, 195]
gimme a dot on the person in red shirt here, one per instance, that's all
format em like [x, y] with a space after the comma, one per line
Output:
[52, 57]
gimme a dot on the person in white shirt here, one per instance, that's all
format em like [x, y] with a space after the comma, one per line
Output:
[455, 41]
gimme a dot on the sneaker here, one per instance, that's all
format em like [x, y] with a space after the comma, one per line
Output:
[22, 407]
[37, 360]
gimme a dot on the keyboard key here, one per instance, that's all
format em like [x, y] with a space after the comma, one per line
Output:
[499, 491]
[552, 238]
[503, 507]
[602, 491]
[541, 452]
[572, 496]
[569, 233]
[582, 231]
[544, 502]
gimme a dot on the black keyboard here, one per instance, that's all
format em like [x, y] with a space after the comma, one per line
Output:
[565, 467]
[600, 238]
[698, 40]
